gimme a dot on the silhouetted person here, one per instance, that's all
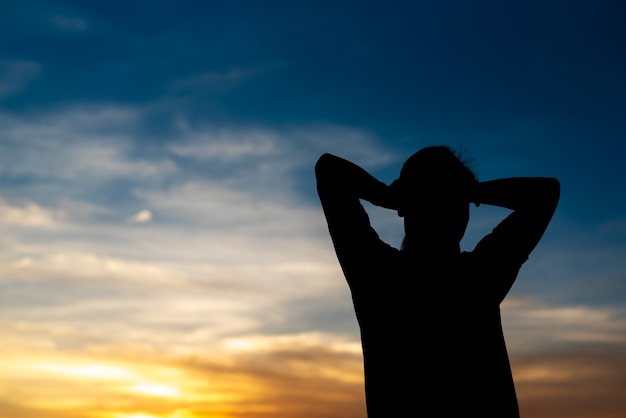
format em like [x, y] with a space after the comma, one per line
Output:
[429, 314]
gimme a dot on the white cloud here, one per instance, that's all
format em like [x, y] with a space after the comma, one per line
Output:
[29, 214]
[210, 204]
[86, 145]
[227, 144]
[143, 216]
[531, 325]
[235, 244]
[94, 144]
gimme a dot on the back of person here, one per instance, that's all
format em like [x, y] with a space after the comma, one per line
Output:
[432, 342]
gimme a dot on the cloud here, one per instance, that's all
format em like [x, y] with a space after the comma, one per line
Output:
[272, 162]
[222, 266]
[355, 144]
[224, 80]
[210, 142]
[68, 23]
[47, 19]
[307, 375]
[74, 152]
[245, 235]
[92, 145]
[143, 216]
[582, 380]
[584, 269]
[228, 145]
[29, 215]
[16, 75]
[533, 325]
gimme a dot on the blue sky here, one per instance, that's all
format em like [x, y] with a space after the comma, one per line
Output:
[156, 175]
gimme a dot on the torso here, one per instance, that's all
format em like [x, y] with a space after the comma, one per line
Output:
[432, 337]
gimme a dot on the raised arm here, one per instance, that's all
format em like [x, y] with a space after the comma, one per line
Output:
[338, 178]
[533, 201]
[340, 185]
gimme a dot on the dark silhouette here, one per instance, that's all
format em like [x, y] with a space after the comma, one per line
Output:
[429, 314]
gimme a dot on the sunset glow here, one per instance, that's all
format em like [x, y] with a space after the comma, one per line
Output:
[163, 251]
[157, 389]
[95, 371]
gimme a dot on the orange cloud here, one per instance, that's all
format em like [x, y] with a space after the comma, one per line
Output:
[581, 381]
[279, 376]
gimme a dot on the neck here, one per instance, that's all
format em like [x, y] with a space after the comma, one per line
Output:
[430, 248]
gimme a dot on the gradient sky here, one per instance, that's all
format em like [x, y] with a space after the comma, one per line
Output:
[163, 253]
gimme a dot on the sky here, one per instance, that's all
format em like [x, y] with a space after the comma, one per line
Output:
[163, 253]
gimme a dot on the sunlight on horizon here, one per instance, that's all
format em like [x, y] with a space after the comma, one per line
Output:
[94, 371]
[227, 384]
[157, 389]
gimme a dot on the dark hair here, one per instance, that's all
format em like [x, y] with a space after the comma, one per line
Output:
[440, 163]
[442, 178]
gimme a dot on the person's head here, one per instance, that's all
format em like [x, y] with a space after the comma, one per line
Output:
[433, 189]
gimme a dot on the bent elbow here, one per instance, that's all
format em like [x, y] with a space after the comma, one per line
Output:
[552, 191]
[323, 165]
[555, 188]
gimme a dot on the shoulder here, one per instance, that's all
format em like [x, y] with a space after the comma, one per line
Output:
[489, 274]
